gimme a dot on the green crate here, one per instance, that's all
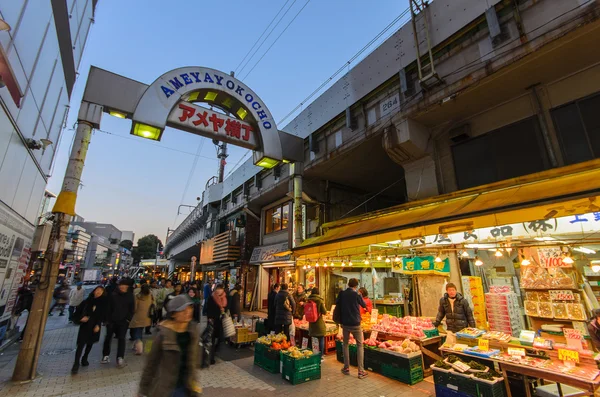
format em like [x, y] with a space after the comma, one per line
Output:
[339, 352]
[260, 328]
[409, 376]
[430, 333]
[306, 375]
[469, 385]
[266, 351]
[267, 364]
[403, 362]
[298, 364]
[373, 360]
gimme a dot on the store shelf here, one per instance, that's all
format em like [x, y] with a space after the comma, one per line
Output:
[552, 289]
[555, 319]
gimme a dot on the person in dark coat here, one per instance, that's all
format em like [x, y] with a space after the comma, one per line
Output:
[93, 313]
[456, 309]
[284, 309]
[318, 329]
[215, 307]
[235, 304]
[300, 299]
[270, 325]
[121, 307]
[195, 297]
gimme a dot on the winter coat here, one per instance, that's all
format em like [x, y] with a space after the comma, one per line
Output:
[235, 306]
[348, 303]
[283, 316]
[317, 328]
[161, 295]
[76, 296]
[96, 309]
[196, 306]
[121, 307]
[142, 308]
[159, 377]
[206, 291]
[299, 311]
[457, 319]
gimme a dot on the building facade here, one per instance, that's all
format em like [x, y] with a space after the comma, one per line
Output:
[39, 58]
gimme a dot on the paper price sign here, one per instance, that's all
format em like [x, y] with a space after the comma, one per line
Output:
[484, 344]
[373, 335]
[304, 343]
[571, 333]
[562, 295]
[315, 345]
[568, 355]
[516, 351]
[374, 314]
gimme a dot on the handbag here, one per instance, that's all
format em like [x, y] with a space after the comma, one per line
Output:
[227, 325]
[286, 304]
[152, 311]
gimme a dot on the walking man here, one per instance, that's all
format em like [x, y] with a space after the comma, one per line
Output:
[61, 297]
[347, 306]
[120, 313]
[76, 296]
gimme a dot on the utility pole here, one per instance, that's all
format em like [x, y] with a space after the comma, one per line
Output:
[63, 211]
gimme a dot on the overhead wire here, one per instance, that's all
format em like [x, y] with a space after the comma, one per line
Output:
[266, 37]
[262, 34]
[275, 41]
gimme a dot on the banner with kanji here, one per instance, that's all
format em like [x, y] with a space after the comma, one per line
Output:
[423, 265]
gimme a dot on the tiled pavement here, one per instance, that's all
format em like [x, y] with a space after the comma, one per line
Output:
[224, 378]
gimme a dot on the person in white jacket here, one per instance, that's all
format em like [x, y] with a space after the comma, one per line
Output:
[76, 297]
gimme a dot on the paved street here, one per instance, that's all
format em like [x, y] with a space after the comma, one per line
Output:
[236, 373]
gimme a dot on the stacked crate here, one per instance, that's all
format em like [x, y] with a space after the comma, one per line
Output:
[474, 294]
[504, 314]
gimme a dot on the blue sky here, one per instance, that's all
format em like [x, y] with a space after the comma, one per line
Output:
[137, 184]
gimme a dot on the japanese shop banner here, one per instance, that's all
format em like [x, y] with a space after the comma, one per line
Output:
[423, 265]
[202, 121]
[551, 257]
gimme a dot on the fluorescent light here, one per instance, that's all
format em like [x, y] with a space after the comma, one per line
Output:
[584, 250]
[545, 238]
[480, 245]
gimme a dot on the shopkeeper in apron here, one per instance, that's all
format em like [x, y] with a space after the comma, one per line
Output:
[456, 309]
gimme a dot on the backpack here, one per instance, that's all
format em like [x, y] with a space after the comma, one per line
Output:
[310, 311]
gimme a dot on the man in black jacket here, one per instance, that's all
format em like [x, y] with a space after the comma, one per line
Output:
[270, 326]
[456, 309]
[120, 312]
[348, 304]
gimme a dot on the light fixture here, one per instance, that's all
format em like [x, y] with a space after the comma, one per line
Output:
[584, 250]
[332, 264]
[525, 262]
[317, 264]
[117, 114]
[350, 263]
[325, 264]
[545, 238]
[387, 260]
[343, 263]
[478, 262]
[498, 254]
[480, 246]
[595, 266]
[266, 162]
[568, 260]
[146, 131]
[397, 258]
[367, 261]
[465, 254]
[438, 259]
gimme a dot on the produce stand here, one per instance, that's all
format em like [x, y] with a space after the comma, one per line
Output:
[302, 332]
[430, 347]
[393, 309]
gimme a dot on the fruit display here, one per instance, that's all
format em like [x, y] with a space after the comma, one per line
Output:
[275, 342]
[406, 346]
[296, 353]
[404, 327]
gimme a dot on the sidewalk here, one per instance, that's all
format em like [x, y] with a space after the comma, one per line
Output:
[236, 374]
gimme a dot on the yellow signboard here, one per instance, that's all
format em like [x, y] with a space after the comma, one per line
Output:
[568, 355]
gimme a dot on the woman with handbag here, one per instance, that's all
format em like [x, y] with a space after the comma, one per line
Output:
[215, 308]
[284, 309]
[172, 367]
[144, 308]
[90, 314]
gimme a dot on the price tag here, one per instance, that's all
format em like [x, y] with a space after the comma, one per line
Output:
[315, 346]
[571, 333]
[568, 355]
[304, 343]
[562, 295]
[373, 335]
[374, 314]
[516, 351]
[272, 332]
[484, 344]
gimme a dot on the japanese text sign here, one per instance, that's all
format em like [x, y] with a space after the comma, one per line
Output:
[561, 295]
[211, 124]
[374, 315]
[373, 335]
[571, 333]
[484, 344]
[304, 343]
[568, 355]
[551, 257]
[516, 351]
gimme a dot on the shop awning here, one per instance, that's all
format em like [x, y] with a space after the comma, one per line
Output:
[271, 253]
[559, 192]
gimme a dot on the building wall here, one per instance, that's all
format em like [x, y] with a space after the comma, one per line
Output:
[101, 229]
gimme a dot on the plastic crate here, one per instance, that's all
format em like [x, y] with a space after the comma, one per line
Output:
[410, 376]
[260, 328]
[266, 351]
[267, 364]
[430, 333]
[305, 375]
[441, 391]
[372, 360]
[468, 385]
[339, 351]
[298, 364]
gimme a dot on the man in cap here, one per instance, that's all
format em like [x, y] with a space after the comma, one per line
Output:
[120, 312]
[75, 299]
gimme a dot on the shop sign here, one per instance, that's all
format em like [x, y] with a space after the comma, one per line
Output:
[148, 262]
[424, 265]
[551, 257]
[585, 223]
[202, 121]
[516, 352]
[266, 253]
[568, 355]
[484, 344]
[561, 295]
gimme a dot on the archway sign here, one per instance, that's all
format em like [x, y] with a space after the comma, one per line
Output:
[198, 100]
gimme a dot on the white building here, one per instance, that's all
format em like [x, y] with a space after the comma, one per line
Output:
[39, 57]
[127, 235]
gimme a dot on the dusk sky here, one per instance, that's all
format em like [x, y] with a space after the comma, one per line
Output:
[137, 184]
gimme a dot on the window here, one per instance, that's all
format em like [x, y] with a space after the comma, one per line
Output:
[578, 128]
[511, 151]
[277, 218]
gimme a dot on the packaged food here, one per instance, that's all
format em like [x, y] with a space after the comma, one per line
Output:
[531, 308]
[560, 310]
[575, 311]
[532, 296]
[545, 309]
[562, 280]
[544, 296]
